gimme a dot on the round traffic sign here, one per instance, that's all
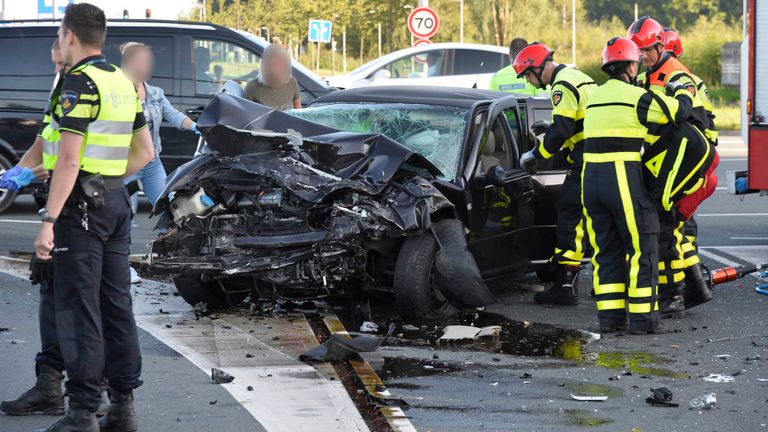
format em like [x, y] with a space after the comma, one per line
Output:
[423, 22]
[421, 58]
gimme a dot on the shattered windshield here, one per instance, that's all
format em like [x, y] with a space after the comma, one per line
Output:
[435, 132]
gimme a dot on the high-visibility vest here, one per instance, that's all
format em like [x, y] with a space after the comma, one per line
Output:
[506, 80]
[107, 141]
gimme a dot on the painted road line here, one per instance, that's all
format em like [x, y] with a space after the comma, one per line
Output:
[750, 238]
[731, 215]
[395, 417]
[287, 395]
[718, 257]
[729, 248]
[20, 221]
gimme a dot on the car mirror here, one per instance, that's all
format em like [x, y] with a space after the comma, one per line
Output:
[382, 74]
[495, 176]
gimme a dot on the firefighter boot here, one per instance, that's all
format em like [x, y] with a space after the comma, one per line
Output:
[671, 299]
[77, 420]
[44, 398]
[121, 417]
[564, 291]
[697, 289]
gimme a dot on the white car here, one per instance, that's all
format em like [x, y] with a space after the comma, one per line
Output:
[442, 64]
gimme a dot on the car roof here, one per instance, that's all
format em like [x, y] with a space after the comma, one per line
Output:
[32, 23]
[428, 95]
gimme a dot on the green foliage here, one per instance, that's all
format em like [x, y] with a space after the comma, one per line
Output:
[679, 14]
[702, 46]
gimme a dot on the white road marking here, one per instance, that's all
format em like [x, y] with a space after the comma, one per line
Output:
[730, 214]
[721, 188]
[718, 257]
[750, 238]
[20, 221]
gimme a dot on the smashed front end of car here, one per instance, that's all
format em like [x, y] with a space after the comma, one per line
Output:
[296, 207]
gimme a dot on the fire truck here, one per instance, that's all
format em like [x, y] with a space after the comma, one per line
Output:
[754, 101]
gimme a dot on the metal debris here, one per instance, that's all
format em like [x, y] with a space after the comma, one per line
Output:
[719, 378]
[589, 398]
[339, 347]
[661, 396]
[221, 377]
[707, 401]
[369, 327]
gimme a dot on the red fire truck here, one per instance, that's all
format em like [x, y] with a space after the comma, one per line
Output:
[754, 99]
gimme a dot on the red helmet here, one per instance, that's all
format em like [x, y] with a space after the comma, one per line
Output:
[674, 44]
[620, 49]
[534, 55]
[646, 32]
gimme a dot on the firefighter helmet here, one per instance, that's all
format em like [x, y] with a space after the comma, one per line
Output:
[673, 42]
[532, 56]
[646, 32]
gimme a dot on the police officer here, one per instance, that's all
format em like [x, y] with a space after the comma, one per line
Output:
[98, 135]
[571, 90]
[620, 218]
[507, 80]
[666, 144]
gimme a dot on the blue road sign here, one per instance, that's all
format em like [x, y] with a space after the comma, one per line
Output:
[320, 30]
[45, 8]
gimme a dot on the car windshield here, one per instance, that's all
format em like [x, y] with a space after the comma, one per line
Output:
[435, 132]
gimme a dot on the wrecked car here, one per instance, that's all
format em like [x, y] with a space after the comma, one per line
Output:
[417, 192]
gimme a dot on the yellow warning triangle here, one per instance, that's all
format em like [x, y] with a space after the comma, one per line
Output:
[654, 165]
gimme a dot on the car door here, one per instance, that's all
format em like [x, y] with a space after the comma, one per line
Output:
[474, 67]
[428, 67]
[502, 214]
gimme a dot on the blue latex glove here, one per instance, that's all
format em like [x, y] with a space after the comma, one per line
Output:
[16, 178]
[195, 130]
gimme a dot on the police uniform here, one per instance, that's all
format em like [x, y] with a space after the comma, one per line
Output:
[678, 161]
[621, 219]
[571, 90]
[506, 80]
[94, 316]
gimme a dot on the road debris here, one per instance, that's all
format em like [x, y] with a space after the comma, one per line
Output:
[719, 378]
[589, 398]
[339, 347]
[707, 401]
[761, 379]
[221, 377]
[369, 327]
[661, 396]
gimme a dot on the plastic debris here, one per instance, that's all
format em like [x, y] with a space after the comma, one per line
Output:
[369, 327]
[719, 378]
[589, 398]
[661, 396]
[761, 379]
[707, 401]
[221, 377]
[486, 338]
[409, 327]
[340, 347]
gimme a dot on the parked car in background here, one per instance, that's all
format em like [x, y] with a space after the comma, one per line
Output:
[441, 64]
[191, 61]
[414, 191]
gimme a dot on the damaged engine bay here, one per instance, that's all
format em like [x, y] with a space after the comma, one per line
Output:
[299, 209]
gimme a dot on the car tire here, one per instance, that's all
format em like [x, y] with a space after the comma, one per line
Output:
[193, 290]
[6, 196]
[417, 296]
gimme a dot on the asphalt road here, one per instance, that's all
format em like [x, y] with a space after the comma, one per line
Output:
[449, 388]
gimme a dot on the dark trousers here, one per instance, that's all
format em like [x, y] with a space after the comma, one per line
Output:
[570, 245]
[94, 310]
[50, 353]
[623, 227]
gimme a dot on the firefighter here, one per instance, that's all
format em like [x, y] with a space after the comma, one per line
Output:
[570, 92]
[678, 162]
[507, 80]
[621, 219]
[97, 135]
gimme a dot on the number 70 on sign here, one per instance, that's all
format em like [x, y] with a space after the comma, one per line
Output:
[320, 31]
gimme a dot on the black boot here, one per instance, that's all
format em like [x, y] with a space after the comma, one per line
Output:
[121, 417]
[671, 299]
[697, 289]
[644, 324]
[76, 420]
[44, 398]
[564, 291]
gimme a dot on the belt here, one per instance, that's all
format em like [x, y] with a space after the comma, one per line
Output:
[113, 183]
[612, 157]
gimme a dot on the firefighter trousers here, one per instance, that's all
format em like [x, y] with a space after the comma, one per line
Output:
[570, 245]
[622, 226]
[94, 310]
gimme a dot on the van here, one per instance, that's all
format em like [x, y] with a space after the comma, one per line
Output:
[191, 59]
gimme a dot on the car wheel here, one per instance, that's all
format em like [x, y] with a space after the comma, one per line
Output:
[417, 296]
[193, 290]
[6, 196]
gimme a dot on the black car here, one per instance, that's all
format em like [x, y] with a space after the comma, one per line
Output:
[191, 60]
[421, 195]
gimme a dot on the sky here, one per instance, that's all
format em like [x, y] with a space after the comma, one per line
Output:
[163, 9]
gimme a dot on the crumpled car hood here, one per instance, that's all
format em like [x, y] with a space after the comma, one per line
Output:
[309, 159]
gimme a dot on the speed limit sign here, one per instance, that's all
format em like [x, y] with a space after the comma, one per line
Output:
[423, 22]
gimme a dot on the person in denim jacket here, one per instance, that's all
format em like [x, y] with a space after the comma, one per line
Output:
[137, 62]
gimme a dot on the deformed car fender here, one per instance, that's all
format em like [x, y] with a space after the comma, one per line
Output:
[457, 273]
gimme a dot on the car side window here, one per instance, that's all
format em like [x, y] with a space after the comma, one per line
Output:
[163, 50]
[420, 65]
[216, 61]
[472, 61]
[27, 63]
[497, 146]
